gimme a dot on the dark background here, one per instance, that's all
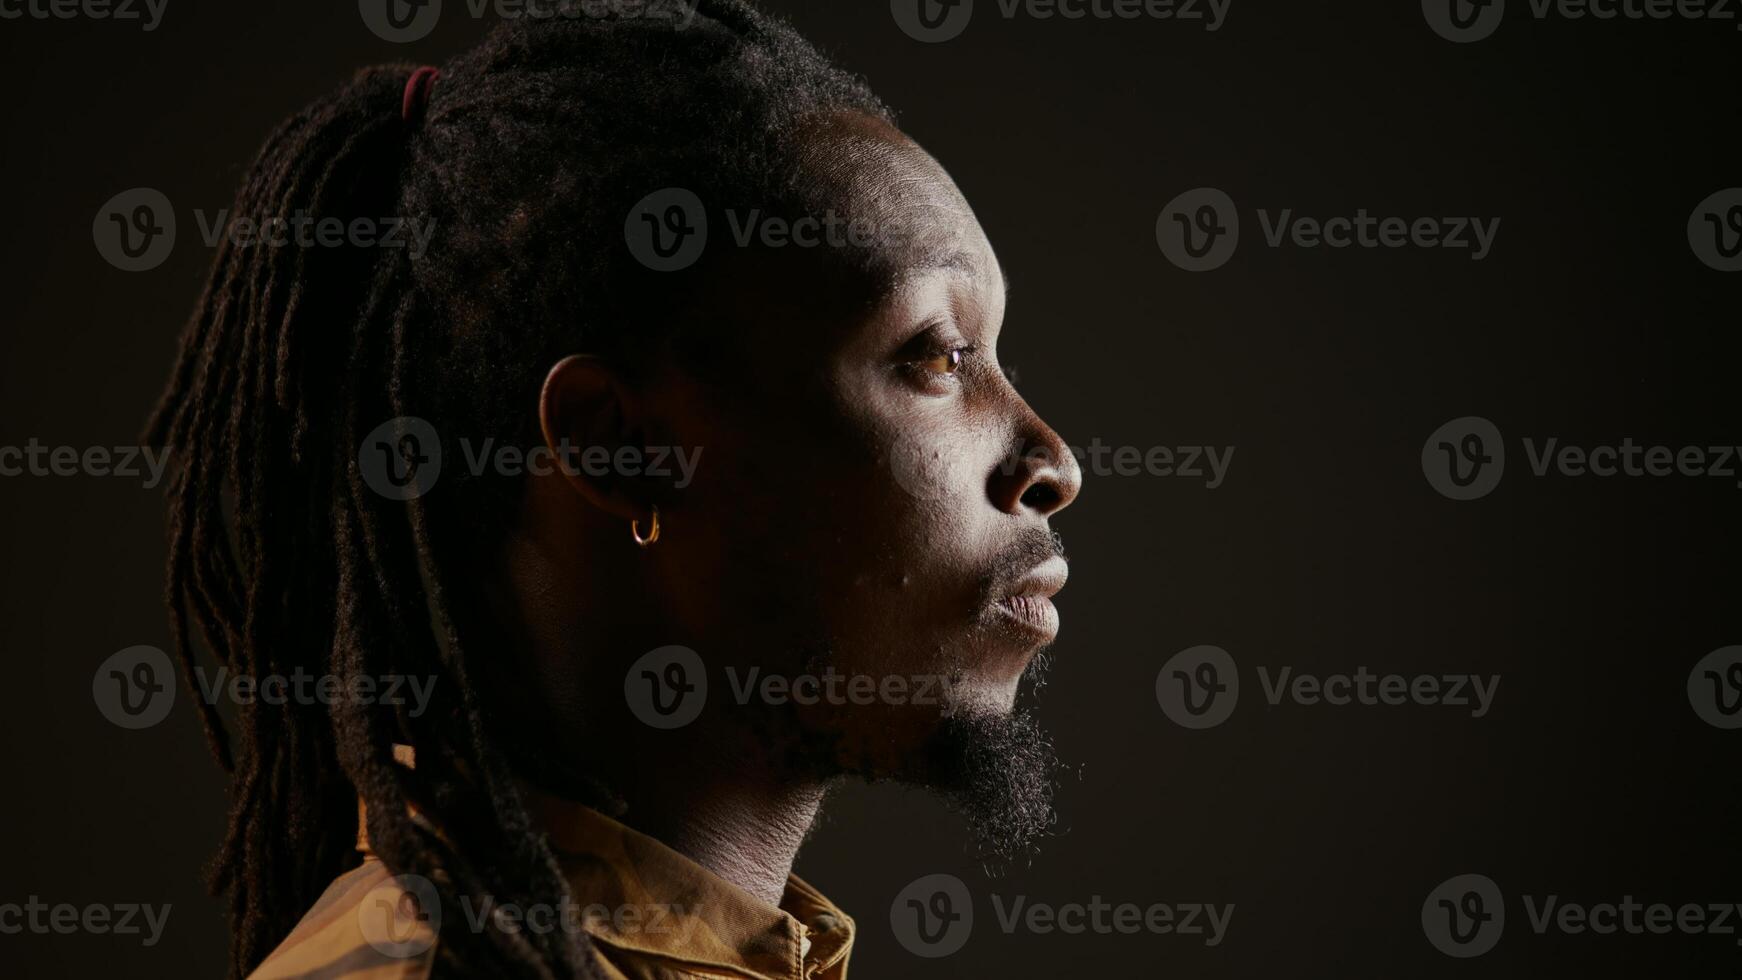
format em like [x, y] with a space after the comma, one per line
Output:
[1326, 549]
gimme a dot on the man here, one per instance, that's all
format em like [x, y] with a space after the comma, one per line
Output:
[677, 537]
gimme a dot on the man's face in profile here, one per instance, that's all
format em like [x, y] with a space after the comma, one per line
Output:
[874, 502]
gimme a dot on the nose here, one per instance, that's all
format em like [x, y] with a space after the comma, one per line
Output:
[1040, 476]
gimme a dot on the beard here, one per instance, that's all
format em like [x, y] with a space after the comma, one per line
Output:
[999, 771]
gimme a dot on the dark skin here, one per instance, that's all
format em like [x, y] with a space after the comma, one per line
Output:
[871, 495]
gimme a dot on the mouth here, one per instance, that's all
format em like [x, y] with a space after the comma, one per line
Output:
[1027, 604]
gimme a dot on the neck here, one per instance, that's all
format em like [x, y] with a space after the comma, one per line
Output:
[716, 799]
[746, 836]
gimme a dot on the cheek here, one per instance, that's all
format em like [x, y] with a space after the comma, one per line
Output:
[905, 586]
[791, 536]
[853, 531]
[931, 471]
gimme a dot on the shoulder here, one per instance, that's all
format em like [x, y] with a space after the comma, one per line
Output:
[367, 925]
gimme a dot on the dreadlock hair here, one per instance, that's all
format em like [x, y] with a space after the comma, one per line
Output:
[532, 150]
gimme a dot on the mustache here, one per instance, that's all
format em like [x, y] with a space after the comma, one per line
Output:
[1032, 547]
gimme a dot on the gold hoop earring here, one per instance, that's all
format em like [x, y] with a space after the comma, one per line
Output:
[652, 530]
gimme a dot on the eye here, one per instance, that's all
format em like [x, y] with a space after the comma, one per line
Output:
[938, 360]
[946, 362]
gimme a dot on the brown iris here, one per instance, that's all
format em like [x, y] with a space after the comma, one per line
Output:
[948, 362]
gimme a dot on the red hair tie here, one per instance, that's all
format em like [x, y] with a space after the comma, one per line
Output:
[417, 92]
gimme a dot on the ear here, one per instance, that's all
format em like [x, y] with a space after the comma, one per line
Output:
[588, 414]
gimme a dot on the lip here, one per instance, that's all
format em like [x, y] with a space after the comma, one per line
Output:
[1028, 603]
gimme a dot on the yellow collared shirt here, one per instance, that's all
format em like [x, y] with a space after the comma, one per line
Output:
[651, 912]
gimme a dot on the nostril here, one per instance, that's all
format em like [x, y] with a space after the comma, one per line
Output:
[1043, 496]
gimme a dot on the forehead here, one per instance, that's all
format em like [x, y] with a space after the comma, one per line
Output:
[873, 175]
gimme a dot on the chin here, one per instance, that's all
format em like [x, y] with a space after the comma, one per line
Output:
[984, 697]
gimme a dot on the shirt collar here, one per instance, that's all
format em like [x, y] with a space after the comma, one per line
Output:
[641, 896]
